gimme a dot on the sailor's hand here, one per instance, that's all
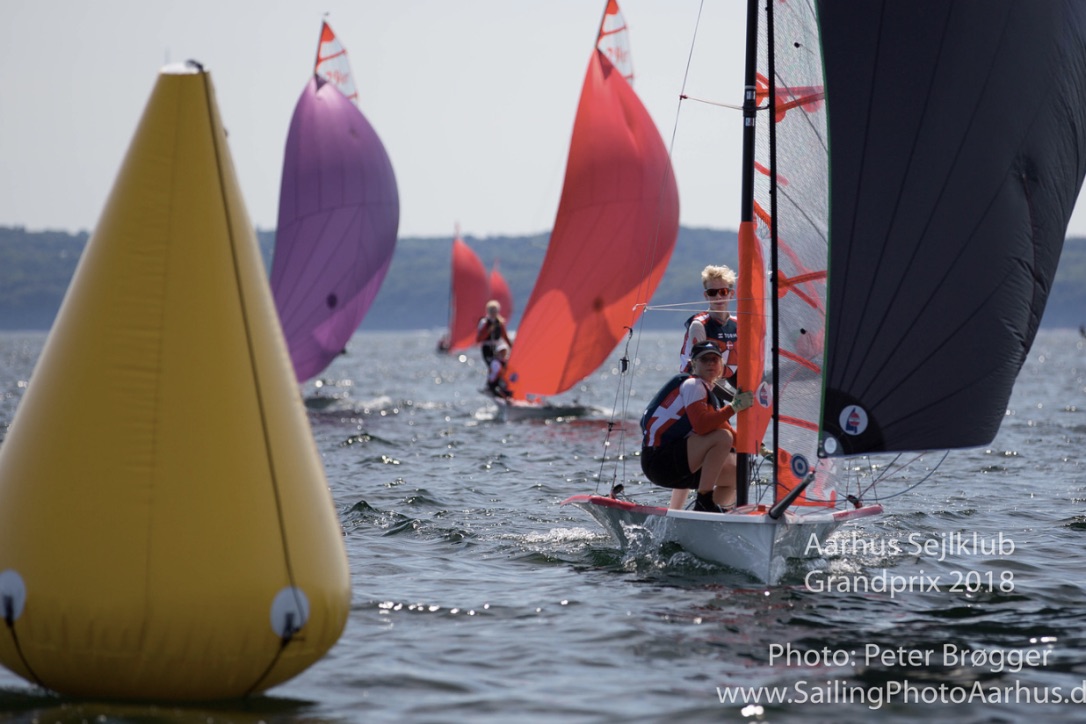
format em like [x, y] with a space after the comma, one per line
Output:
[742, 401]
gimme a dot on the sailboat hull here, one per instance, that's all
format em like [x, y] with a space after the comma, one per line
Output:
[518, 410]
[747, 540]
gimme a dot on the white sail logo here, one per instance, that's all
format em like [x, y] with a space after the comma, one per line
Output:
[853, 420]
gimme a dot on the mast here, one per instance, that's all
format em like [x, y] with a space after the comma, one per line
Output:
[746, 216]
[750, 114]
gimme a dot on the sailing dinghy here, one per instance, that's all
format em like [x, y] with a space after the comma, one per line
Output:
[903, 305]
[339, 211]
[617, 221]
[469, 291]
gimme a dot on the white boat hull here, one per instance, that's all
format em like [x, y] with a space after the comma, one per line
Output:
[747, 539]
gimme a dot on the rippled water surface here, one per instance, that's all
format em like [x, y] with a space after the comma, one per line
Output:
[476, 597]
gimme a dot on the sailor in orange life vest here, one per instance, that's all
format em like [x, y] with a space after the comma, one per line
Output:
[687, 437]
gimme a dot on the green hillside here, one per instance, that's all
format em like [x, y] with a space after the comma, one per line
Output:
[35, 268]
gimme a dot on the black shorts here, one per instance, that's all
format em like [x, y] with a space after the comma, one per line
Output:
[669, 465]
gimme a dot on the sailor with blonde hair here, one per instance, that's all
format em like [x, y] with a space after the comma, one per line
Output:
[491, 331]
[716, 325]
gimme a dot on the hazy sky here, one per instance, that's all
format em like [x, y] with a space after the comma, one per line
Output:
[474, 99]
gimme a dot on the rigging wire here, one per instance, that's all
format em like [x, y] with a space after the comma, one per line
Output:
[262, 404]
[890, 468]
[671, 142]
[708, 102]
[622, 393]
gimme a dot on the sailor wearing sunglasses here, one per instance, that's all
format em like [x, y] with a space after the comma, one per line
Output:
[716, 324]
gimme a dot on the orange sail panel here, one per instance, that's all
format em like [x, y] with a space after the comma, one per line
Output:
[617, 222]
[499, 292]
[792, 470]
[467, 303]
[751, 316]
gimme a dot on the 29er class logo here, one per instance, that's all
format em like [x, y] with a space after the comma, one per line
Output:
[853, 420]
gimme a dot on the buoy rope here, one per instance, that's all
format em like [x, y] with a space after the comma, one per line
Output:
[289, 632]
[9, 619]
[288, 635]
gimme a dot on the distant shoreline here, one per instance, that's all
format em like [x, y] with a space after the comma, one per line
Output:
[36, 267]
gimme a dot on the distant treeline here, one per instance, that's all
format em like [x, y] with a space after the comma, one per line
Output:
[36, 266]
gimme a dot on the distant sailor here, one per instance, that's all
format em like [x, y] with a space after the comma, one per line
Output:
[491, 331]
[687, 437]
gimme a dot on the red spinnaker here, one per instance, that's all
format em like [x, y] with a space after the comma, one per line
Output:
[616, 227]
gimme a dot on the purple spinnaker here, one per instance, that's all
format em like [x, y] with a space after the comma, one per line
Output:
[339, 212]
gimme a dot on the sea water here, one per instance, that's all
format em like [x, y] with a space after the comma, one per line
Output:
[476, 597]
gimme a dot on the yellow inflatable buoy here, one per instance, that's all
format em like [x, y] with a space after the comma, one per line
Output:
[166, 530]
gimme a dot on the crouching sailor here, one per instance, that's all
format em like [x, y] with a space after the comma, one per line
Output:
[496, 382]
[687, 437]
